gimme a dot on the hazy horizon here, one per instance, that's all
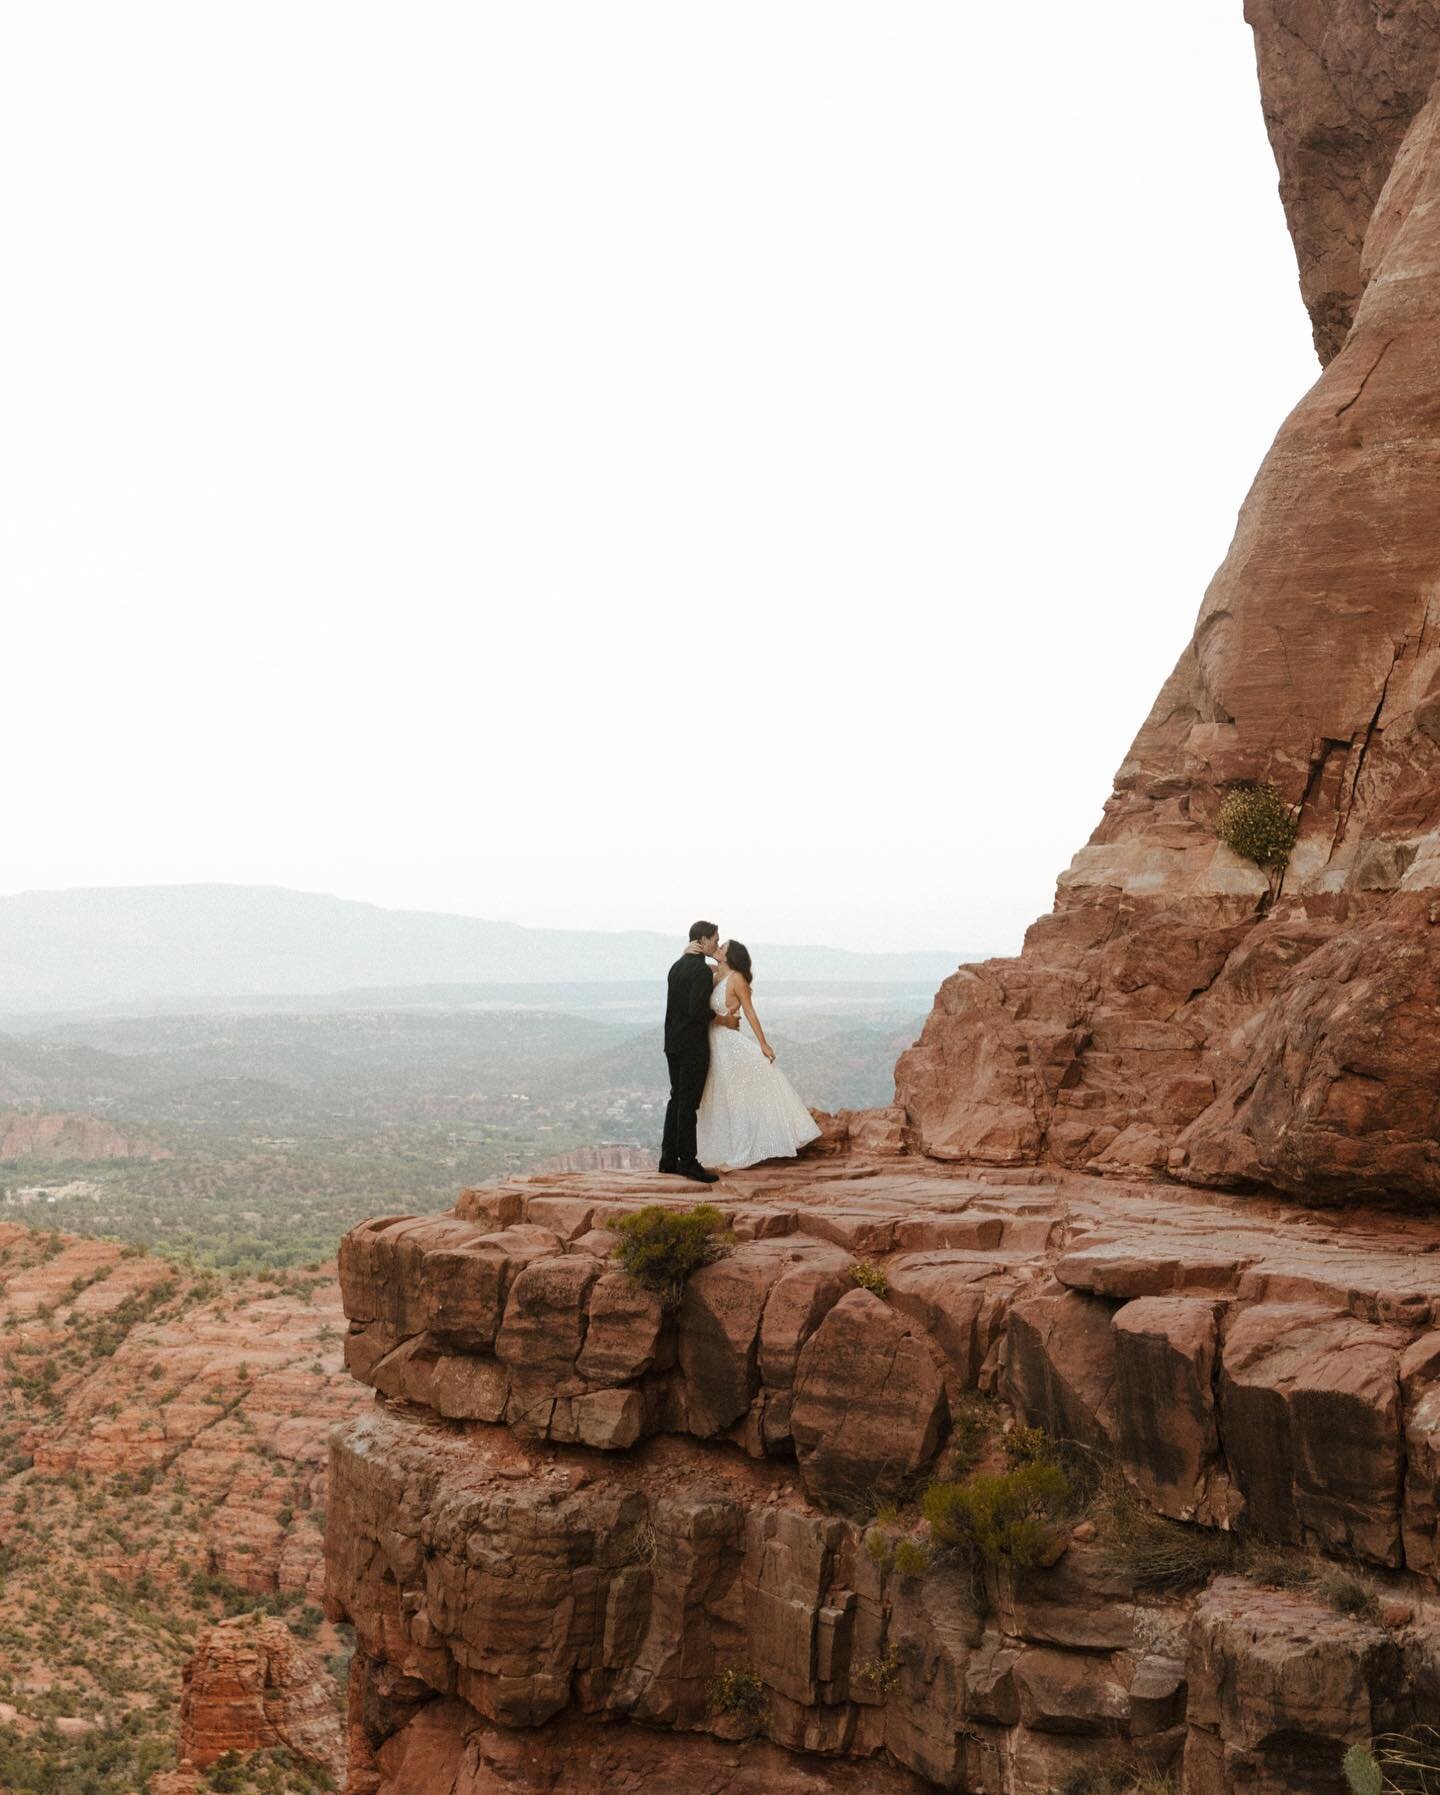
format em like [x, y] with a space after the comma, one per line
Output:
[676, 933]
[582, 467]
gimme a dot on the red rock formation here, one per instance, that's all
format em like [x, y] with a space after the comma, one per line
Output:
[570, 1507]
[1180, 1008]
[30, 1134]
[1341, 85]
[164, 1446]
[252, 1686]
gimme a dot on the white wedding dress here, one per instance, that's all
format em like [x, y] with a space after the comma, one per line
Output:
[749, 1111]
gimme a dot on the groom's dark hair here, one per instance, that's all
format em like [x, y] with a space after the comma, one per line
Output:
[700, 930]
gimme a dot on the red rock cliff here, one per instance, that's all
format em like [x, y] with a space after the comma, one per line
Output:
[570, 1517]
[1180, 1008]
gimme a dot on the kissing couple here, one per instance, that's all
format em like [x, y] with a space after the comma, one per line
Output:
[730, 1104]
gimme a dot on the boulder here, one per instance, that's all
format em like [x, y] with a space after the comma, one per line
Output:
[869, 1405]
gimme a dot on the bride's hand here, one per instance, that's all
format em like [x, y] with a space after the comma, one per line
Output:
[769, 1052]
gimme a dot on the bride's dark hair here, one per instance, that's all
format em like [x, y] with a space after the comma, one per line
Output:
[737, 958]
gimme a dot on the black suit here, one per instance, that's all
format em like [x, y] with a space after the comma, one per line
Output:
[687, 1052]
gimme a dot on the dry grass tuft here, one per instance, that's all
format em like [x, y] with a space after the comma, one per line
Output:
[1156, 1552]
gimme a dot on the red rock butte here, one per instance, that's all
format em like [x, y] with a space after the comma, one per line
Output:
[1181, 1010]
[1157, 1187]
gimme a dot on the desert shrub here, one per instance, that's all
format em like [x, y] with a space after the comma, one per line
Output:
[1005, 1517]
[661, 1247]
[911, 1558]
[1026, 1445]
[882, 1672]
[1282, 1567]
[1348, 1593]
[974, 1421]
[865, 1276]
[879, 1548]
[1150, 1548]
[736, 1691]
[1256, 821]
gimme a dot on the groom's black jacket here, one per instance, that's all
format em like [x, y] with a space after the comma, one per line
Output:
[687, 1006]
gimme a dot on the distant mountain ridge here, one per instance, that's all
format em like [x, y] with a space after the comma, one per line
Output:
[66, 950]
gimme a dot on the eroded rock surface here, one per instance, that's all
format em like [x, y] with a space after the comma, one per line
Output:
[251, 1686]
[1182, 1009]
[669, 1496]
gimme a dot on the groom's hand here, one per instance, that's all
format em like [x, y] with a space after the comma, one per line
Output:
[728, 1021]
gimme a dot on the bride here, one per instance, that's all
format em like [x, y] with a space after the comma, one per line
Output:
[749, 1111]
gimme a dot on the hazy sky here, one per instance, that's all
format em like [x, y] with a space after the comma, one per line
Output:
[593, 463]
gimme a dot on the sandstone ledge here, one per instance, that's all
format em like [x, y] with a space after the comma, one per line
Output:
[1248, 1365]
[568, 1511]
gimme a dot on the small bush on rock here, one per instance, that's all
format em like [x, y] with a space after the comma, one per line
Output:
[736, 1691]
[1348, 1593]
[1283, 1567]
[1256, 821]
[1007, 1517]
[1026, 1445]
[865, 1276]
[882, 1672]
[911, 1558]
[1154, 1551]
[661, 1247]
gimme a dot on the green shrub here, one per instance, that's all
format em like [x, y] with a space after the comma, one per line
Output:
[866, 1276]
[661, 1247]
[974, 1420]
[879, 1548]
[1006, 1517]
[911, 1558]
[736, 1691]
[882, 1672]
[1026, 1445]
[1256, 821]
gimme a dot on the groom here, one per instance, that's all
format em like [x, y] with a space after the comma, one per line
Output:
[687, 1051]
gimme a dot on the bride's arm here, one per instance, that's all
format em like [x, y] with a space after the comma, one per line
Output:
[742, 986]
[731, 1017]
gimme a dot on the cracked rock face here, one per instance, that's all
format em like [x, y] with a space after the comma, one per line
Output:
[539, 1591]
[1182, 1009]
[251, 1686]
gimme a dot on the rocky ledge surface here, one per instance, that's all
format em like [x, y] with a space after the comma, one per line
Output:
[570, 1512]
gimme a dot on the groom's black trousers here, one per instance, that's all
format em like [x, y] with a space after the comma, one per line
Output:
[689, 1068]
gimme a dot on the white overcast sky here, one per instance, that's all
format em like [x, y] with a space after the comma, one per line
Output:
[589, 464]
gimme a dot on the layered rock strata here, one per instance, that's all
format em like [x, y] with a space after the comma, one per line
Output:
[569, 1508]
[252, 1687]
[1183, 1009]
